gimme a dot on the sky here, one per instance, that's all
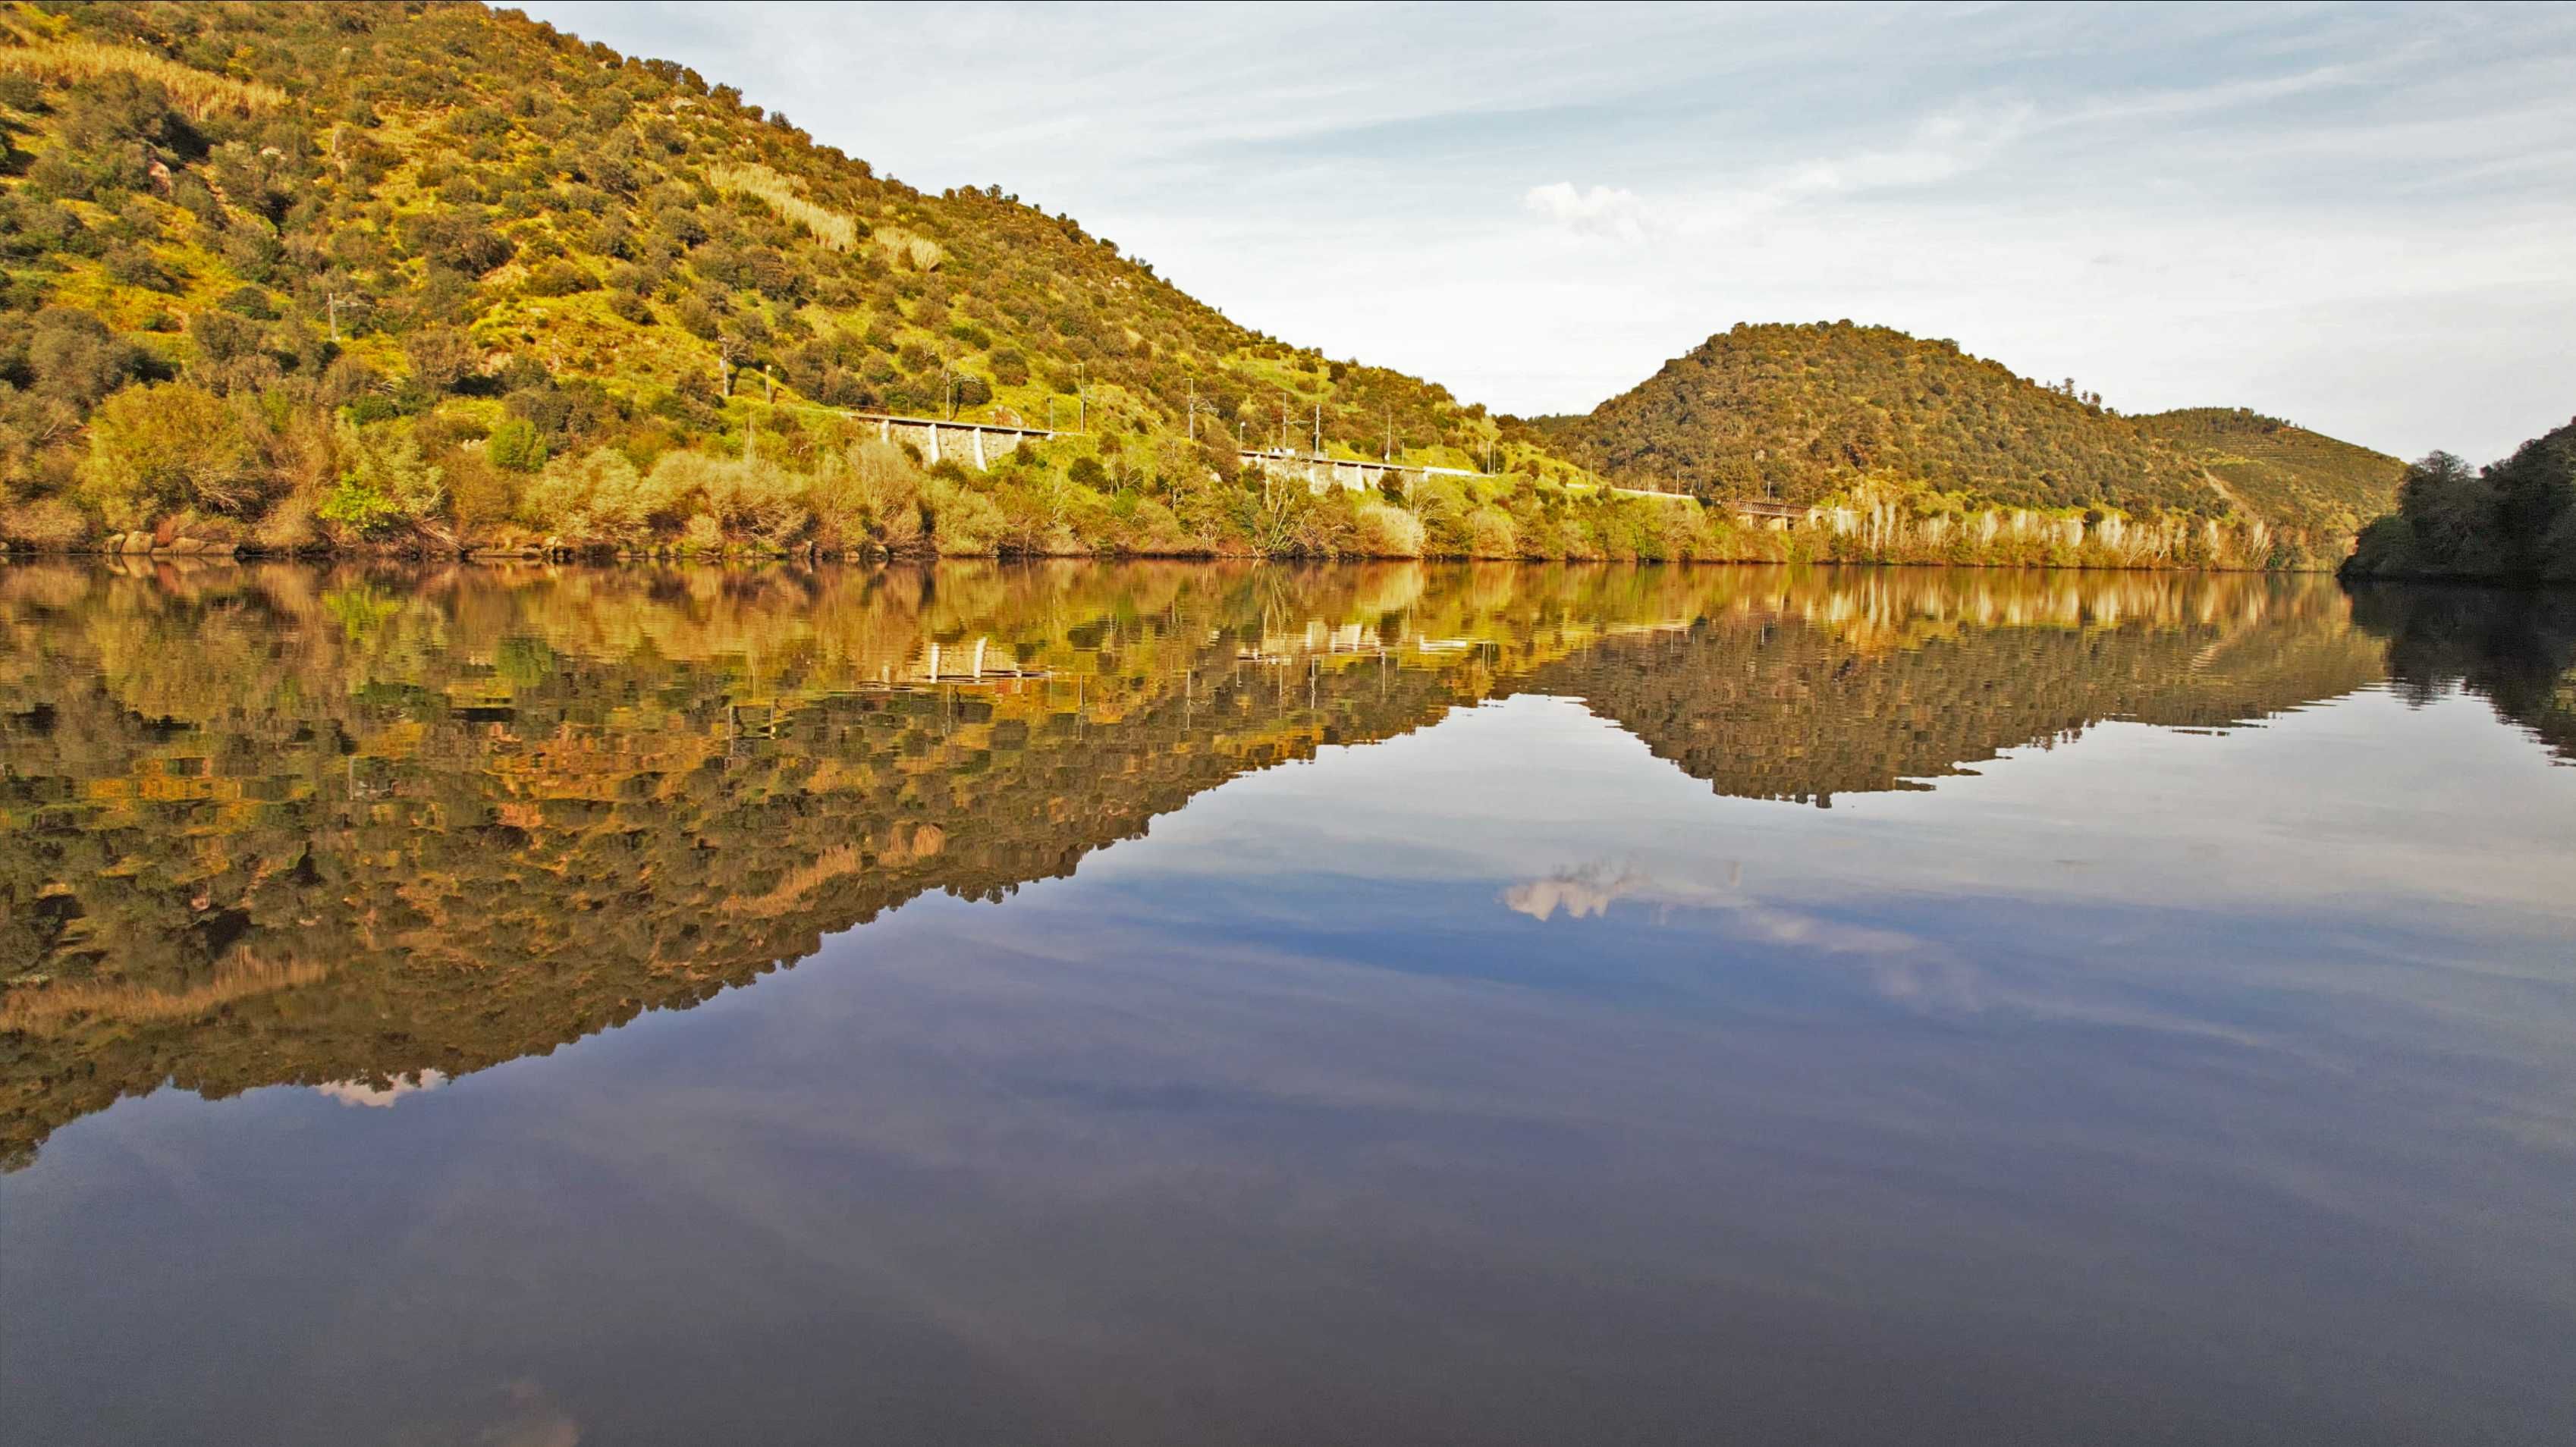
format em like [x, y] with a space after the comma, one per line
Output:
[2359, 218]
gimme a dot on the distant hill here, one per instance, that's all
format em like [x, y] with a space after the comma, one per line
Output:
[2284, 471]
[1802, 413]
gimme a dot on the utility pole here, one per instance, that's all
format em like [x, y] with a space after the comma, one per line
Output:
[1319, 429]
[332, 301]
[1389, 454]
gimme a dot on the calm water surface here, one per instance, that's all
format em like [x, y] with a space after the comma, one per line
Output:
[1172, 1004]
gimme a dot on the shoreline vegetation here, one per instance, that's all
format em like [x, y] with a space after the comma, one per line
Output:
[872, 501]
[438, 280]
[2511, 522]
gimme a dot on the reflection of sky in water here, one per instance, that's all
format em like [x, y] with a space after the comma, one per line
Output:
[1495, 1083]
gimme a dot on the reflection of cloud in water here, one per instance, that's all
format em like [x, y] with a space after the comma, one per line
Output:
[533, 1419]
[366, 1092]
[1580, 892]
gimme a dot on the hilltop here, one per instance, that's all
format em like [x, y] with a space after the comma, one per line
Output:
[1806, 414]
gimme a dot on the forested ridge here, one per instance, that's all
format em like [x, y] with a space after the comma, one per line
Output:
[272, 824]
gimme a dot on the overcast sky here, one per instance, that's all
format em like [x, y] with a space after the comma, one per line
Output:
[2363, 219]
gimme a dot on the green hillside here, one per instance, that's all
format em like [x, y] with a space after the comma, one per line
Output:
[2282, 470]
[290, 275]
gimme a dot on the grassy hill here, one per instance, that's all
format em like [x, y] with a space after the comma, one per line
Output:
[1830, 411]
[2283, 470]
[452, 253]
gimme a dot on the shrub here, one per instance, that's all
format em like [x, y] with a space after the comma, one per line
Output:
[1381, 531]
[964, 522]
[748, 497]
[249, 301]
[440, 357]
[72, 356]
[153, 449]
[387, 488]
[47, 524]
[873, 493]
[516, 445]
[597, 497]
[560, 278]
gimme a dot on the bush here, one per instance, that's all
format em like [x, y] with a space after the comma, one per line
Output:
[964, 522]
[1381, 531]
[251, 302]
[387, 488]
[440, 357]
[872, 494]
[47, 524]
[72, 356]
[748, 497]
[156, 449]
[560, 278]
[597, 497]
[516, 446]
[1490, 534]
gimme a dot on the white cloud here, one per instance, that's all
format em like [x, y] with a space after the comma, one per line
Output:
[1597, 211]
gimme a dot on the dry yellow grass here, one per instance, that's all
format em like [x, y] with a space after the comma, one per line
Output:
[830, 227]
[50, 1007]
[903, 247]
[198, 93]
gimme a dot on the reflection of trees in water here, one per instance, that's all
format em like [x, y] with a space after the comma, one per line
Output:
[287, 825]
[1782, 705]
[2514, 648]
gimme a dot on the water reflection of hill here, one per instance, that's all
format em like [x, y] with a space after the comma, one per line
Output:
[281, 825]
